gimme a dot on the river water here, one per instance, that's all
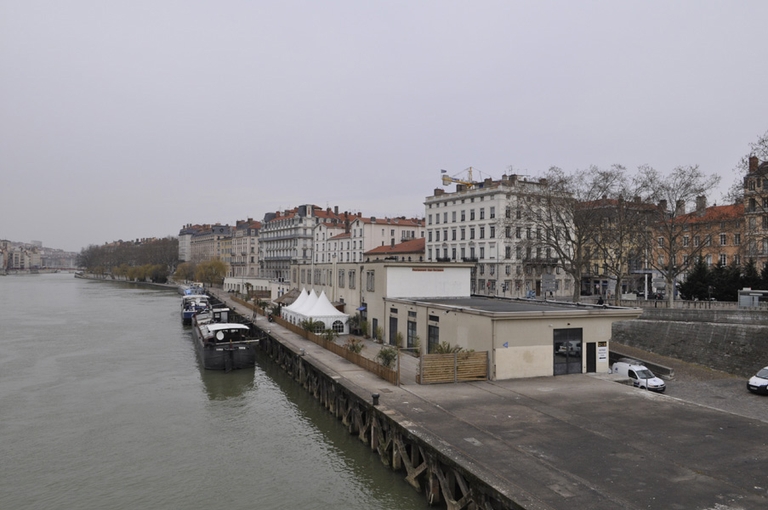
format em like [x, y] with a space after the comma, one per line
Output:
[103, 404]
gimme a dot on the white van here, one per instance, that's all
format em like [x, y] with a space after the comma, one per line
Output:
[639, 374]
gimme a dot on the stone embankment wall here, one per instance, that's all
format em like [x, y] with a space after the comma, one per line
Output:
[734, 341]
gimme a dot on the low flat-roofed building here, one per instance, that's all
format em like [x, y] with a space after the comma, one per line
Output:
[523, 338]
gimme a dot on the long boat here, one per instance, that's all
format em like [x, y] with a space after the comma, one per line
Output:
[222, 345]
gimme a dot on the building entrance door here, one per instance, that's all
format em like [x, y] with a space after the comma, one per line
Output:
[567, 351]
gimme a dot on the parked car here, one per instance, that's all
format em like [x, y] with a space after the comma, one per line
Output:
[759, 382]
[640, 375]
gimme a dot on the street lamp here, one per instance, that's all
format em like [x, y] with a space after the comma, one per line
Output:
[334, 277]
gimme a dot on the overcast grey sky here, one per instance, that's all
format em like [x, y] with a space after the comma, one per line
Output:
[127, 119]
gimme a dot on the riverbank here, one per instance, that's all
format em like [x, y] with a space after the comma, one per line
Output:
[544, 443]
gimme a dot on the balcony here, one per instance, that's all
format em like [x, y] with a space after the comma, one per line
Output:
[543, 261]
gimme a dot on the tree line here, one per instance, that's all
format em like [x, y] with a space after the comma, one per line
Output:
[152, 260]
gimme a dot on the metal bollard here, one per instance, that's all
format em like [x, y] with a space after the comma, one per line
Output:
[375, 399]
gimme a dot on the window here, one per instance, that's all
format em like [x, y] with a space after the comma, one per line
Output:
[433, 337]
[429, 219]
[471, 232]
[492, 233]
[463, 216]
[736, 239]
[507, 253]
[518, 252]
[411, 331]
[370, 281]
[471, 214]
[453, 253]
[437, 236]
[429, 236]
[437, 219]
[519, 214]
[492, 212]
[453, 217]
[723, 240]
[661, 242]
[453, 234]
[351, 278]
[518, 233]
[508, 269]
[686, 241]
[445, 219]
[482, 232]
[482, 252]
[463, 232]
[723, 259]
[482, 213]
[695, 240]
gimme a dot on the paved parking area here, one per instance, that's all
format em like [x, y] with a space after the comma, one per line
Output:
[706, 387]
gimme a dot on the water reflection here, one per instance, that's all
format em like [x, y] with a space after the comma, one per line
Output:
[221, 385]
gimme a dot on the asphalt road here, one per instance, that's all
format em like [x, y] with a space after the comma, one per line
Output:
[706, 387]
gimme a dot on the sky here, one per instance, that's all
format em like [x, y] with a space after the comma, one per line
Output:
[129, 119]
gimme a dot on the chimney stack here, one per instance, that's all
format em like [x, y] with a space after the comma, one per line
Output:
[753, 164]
[701, 204]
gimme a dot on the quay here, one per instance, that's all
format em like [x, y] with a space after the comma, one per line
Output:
[580, 441]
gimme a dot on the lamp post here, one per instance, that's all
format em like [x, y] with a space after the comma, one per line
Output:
[334, 277]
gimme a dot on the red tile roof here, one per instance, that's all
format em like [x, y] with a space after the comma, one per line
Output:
[412, 246]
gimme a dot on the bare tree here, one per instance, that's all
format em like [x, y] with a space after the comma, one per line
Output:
[620, 220]
[559, 222]
[668, 234]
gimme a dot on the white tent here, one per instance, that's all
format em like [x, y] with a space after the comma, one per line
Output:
[319, 309]
[323, 311]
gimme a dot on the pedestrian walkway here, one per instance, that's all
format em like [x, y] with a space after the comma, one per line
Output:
[576, 441]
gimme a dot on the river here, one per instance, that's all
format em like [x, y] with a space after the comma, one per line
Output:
[103, 404]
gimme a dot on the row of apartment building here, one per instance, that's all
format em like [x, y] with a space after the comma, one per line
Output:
[482, 225]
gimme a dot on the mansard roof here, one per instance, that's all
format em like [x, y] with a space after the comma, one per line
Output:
[401, 221]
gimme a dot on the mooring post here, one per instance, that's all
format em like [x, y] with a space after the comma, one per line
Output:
[375, 399]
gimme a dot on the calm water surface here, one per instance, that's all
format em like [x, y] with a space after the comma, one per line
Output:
[103, 404]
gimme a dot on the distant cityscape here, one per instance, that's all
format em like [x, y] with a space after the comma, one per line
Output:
[33, 256]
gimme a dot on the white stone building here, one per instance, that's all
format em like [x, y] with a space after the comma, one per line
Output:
[485, 224]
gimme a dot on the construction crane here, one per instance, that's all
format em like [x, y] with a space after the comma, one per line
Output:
[468, 182]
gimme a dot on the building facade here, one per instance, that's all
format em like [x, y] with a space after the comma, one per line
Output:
[486, 223]
[286, 237]
[756, 211]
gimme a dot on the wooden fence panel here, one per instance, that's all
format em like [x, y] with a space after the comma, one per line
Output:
[372, 366]
[454, 367]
